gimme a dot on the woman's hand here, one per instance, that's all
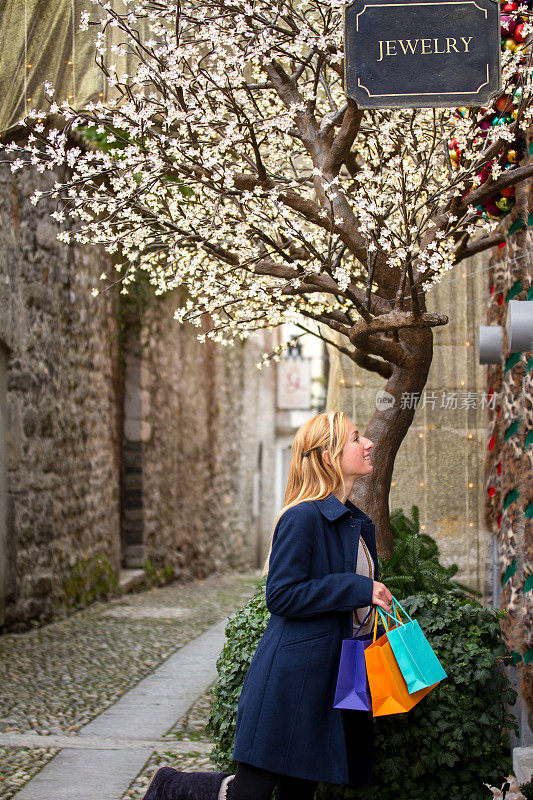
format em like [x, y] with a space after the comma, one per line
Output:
[381, 596]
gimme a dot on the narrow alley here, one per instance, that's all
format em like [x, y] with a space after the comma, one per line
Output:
[90, 705]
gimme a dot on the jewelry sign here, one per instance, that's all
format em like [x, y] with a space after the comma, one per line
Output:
[422, 54]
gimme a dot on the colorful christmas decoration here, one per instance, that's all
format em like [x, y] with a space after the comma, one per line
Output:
[509, 460]
[502, 112]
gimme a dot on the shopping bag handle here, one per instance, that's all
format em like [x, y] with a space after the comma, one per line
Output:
[363, 622]
[401, 623]
[395, 616]
[395, 613]
[384, 614]
[395, 619]
[396, 602]
[378, 609]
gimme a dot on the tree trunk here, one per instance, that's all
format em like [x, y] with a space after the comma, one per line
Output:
[387, 429]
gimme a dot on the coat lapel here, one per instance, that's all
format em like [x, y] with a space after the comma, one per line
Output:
[348, 528]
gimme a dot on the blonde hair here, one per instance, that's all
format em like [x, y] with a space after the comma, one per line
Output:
[310, 477]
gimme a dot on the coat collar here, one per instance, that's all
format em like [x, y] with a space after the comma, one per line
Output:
[332, 508]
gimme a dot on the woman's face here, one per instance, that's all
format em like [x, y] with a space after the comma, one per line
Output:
[355, 458]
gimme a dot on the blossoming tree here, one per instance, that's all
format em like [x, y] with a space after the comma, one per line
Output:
[234, 166]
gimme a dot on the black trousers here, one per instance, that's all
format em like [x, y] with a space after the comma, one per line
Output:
[254, 783]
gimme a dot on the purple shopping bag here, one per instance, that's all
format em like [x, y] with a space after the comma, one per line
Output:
[352, 689]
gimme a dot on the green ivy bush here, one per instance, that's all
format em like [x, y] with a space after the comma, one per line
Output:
[243, 633]
[457, 731]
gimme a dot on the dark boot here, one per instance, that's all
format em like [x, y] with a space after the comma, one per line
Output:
[169, 784]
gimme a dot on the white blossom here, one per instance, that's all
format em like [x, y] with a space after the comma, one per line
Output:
[207, 168]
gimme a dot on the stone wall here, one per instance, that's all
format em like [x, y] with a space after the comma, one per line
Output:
[195, 417]
[128, 443]
[62, 516]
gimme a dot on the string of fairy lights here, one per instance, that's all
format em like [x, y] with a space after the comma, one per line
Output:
[491, 295]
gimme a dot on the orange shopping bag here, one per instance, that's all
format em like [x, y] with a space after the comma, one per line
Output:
[388, 688]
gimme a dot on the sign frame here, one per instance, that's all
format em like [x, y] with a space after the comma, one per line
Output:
[366, 99]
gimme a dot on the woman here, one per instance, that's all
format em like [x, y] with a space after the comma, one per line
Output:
[322, 572]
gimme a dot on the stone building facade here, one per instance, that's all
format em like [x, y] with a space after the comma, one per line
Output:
[124, 442]
[62, 436]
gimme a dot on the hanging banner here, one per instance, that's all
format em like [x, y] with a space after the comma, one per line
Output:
[422, 54]
[294, 383]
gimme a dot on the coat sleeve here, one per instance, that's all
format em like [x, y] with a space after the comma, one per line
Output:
[289, 590]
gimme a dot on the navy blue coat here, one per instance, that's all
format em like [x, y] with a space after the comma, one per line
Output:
[286, 722]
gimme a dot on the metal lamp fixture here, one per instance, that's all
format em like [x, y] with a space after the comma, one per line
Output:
[490, 343]
[519, 326]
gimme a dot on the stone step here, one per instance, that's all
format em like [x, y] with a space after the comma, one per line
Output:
[129, 578]
[86, 775]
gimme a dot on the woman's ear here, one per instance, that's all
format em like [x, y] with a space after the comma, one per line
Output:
[326, 458]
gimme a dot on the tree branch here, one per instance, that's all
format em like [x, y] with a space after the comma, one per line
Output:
[366, 361]
[345, 138]
[509, 177]
[478, 246]
[389, 350]
[396, 320]
[382, 368]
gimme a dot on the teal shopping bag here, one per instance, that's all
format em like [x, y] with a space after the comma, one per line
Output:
[414, 655]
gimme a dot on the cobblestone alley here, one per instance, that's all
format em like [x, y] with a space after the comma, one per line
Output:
[57, 679]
